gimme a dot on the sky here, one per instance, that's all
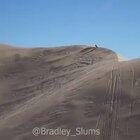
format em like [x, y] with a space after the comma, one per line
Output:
[114, 24]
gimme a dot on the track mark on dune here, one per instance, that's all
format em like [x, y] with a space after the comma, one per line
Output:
[132, 102]
[132, 85]
[111, 117]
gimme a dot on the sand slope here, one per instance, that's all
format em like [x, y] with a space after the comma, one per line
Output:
[68, 87]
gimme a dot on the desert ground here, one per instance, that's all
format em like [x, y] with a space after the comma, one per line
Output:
[68, 87]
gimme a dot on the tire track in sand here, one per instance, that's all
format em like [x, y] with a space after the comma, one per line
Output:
[111, 117]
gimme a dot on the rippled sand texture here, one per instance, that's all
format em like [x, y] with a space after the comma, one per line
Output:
[68, 87]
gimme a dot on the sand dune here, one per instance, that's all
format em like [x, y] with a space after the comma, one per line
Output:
[68, 87]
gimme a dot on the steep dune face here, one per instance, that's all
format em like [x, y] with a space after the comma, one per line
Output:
[68, 87]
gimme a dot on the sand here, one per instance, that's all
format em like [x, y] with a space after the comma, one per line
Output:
[68, 87]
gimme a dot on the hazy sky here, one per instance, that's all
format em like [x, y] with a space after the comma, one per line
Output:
[113, 24]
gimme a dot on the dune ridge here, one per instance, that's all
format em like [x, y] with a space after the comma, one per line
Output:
[68, 87]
